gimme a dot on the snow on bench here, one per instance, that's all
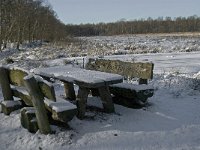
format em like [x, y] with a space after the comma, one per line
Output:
[22, 93]
[9, 106]
[62, 110]
[130, 94]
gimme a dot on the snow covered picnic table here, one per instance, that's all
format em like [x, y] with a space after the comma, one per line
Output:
[86, 80]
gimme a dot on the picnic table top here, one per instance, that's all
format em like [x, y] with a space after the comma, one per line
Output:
[79, 76]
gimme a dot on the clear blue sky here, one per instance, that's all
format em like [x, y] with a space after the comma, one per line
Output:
[95, 11]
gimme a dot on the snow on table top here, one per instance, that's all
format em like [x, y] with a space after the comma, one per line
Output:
[73, 74]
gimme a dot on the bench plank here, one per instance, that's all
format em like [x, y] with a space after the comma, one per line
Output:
[127, 69]
[16, 76]
[22, 93]
[136, 94]
[46, 88]
[62, 110]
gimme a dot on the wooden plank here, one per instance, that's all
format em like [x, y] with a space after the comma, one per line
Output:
[48, 90]
[16, 76]
[37, 99]
[132, 91]
[22, 94]
[5, 84]
[127, 69]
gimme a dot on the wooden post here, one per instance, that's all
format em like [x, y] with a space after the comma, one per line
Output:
[69, 90]
[37, 99]
[83, 62]
[5, 84]
[81, 101]
[106, 99]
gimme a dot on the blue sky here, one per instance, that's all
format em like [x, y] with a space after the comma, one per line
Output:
[95, 11]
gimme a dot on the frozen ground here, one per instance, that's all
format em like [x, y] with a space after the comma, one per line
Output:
[170, 121]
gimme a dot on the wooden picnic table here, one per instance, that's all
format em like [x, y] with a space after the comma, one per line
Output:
[86, 80]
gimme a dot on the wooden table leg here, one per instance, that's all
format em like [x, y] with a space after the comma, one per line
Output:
[69, 90]
[95, 92]
[106, 99]
[5, 84]
[81, 101]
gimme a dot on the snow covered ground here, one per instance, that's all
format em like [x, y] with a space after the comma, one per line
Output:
[170, 121]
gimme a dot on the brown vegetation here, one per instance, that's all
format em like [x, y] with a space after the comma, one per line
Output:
[28, 20]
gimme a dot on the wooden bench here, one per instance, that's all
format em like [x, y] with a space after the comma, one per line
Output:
[85, 79]
[14, 85]
[127, 94]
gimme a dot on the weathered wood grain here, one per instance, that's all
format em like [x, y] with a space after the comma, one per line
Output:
[81, 101]
[106, 99]
[69, 90]
[47, 90]
[37, 99]
[127, 69]
[16, 76]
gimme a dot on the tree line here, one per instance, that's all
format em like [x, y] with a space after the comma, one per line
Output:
[141, 26]
[28, 20]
